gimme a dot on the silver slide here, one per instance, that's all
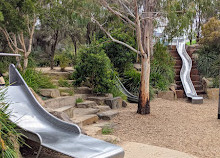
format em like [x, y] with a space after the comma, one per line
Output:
[50, 132]
[185, 73]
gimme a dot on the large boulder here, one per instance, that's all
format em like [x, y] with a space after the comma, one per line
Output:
[213, 93]
[114, 103]
[38, 97]
[169, 95]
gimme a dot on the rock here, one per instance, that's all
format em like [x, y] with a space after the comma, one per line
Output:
[180, 94]
[102, 108]
[62, 89]
[173, 88]
[169, 95]
[52, 93]
[64, 94]
[124, 104]
[92, 130]
[86, 104]
[66, 109]
[107, 115]
[83, 90]
[85, 111]
[85, 120]
[207, 83]
[109, 95]
[61, 115]
[114, 103]
[213, 93]
[98, 100]
[61, 101]
[38, 97]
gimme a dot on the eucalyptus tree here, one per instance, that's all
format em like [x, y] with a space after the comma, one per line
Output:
[18, 21]
[142, 16]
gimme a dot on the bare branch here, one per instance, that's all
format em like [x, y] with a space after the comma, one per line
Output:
[112, 38]
[105, 4]
[130, 12]
[31, 36]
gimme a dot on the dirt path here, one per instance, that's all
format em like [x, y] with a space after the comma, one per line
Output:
[177, 125]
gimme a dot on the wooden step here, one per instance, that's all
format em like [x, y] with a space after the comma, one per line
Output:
[197, 87]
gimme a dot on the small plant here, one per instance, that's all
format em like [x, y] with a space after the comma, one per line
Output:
[37, 80]
[107, 130]
[63, 83]
[10, 138]
[79, 100]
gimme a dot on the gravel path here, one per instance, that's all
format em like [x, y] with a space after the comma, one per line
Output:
[177, 125]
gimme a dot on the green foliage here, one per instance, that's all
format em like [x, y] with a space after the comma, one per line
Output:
[211, 33]
[216, 82]
[132, 80]
[79, 100]
[208, 62]
[94, 66]
[37, 80]
[193, 42]
[107, 130]
[63, 83]
[117, 93]
[162, 68]
[10, 138]
[5, 62]
[209, 56]
[63, 60]
[121, 56]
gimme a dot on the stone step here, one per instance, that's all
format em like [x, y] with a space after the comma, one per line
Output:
[63, 101]
[65, 94]
[85, 120]
[107, 115]
[66, 109]
[83, 90]
[92, 130]
[86, 104]
[58, 75]
[62, 89]
[51, 93]
[99, 100]
[102, 108]
[84, 111]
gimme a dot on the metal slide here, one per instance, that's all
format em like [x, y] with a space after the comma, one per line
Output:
[130, 97]
[50, 132]
[185, 73]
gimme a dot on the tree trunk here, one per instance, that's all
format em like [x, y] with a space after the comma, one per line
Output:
[25, 63]
[144, 96]
[88, 27]
[53, 48]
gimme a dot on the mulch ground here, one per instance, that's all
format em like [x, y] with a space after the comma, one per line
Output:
[177, 125]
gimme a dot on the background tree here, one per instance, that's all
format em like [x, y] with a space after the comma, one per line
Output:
[18, 26]
[141, 16]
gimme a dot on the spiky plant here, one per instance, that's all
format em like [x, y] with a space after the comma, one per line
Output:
[10, 138]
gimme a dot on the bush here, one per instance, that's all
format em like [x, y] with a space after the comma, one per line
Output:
[162, 68]
[63, 60]
[208, 62]
[10, 138]
[37, 80]
[94, 67]
[120, 56]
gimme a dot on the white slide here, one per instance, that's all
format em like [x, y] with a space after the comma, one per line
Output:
[185, 73]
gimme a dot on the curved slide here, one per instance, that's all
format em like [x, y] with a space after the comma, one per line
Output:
[41, 126]
[130, 97]
[185, 73]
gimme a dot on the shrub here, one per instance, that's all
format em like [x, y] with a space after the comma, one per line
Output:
[162, 68]
[63, 83]
[79, 100]
[94, 66]
[63, 60]
[107, 130]
[10, 138]
[208, 62]
[120, 56]
[36, 79]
